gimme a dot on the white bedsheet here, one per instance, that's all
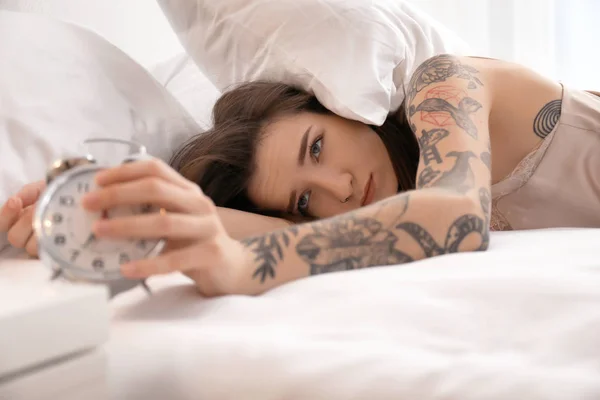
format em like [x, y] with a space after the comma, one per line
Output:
[519, 321]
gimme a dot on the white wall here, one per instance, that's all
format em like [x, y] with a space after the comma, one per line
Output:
[558, 38]
[514, 30]
[578, 41]
[463, 17]
[138, 27]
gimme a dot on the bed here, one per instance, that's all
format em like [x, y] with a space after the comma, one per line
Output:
[521, 320]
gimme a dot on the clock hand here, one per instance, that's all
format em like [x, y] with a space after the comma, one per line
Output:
[92, 237]
[57, 273]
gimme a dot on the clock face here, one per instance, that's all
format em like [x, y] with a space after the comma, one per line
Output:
[64, 229]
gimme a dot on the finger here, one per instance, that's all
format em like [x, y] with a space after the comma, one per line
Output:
[22, 230]
[32, 246]
[143, 169]
[189, 258]
[159, 225]
[148, 190]
[9, 213]
[30, 193]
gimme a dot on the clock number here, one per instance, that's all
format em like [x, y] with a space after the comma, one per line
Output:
[60, 240]
[124, 258]
[57, 218]
[98, 264]
[74, 255]
[142, 244]
[83, 187]
[66, 201]
[146, 208]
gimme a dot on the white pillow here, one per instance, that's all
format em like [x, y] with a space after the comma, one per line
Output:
[355, 55]
[194, 91]
[61, 84]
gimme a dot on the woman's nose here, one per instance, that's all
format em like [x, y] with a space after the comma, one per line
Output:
[336, 184]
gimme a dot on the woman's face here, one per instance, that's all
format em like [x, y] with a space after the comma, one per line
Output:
[319, 166]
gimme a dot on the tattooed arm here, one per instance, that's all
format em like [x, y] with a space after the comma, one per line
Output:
[448, 108]
[241, 224]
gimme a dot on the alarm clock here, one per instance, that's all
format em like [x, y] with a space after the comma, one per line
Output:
[63, 227]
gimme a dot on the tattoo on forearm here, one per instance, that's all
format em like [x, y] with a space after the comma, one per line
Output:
[460, 114]
[486, 158]
[547, 118]
[460, 177]
[427, 176]
[428, 144]
[463, 228]
[485, 198]
[350, 243]
[398, 203]
[426, 242]
[438, 69]
[354, 242]
[460, 229]
[269, 250]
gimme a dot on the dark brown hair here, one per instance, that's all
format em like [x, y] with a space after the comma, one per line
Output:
[222, 160]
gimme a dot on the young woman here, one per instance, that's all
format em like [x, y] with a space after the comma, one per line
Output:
[421, 185]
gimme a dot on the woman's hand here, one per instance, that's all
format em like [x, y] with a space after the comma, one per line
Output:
[16, 217]
[197, 243]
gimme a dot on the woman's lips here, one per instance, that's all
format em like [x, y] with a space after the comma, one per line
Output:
[368, 192]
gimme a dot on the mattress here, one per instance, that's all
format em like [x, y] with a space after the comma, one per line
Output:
[521, 320]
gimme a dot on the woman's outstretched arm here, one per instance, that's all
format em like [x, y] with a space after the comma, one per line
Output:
[16, 219]
[448, 105]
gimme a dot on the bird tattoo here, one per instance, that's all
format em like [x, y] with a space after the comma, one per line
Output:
[460, 177]
[460, 114]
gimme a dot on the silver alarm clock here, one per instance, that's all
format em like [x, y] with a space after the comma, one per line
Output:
[63, 227]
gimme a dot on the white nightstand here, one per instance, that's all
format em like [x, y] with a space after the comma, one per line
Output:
[51, 335]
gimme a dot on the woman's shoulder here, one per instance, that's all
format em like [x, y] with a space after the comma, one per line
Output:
[487, 66]
[513, 96]
[520, 96]
[442, 67]
[511, 84]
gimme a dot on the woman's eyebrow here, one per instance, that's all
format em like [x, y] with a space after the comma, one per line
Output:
[301, 156]
[303, 147]
[291, 203]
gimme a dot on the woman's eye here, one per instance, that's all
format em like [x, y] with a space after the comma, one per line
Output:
[315, 148]
[303, 203]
